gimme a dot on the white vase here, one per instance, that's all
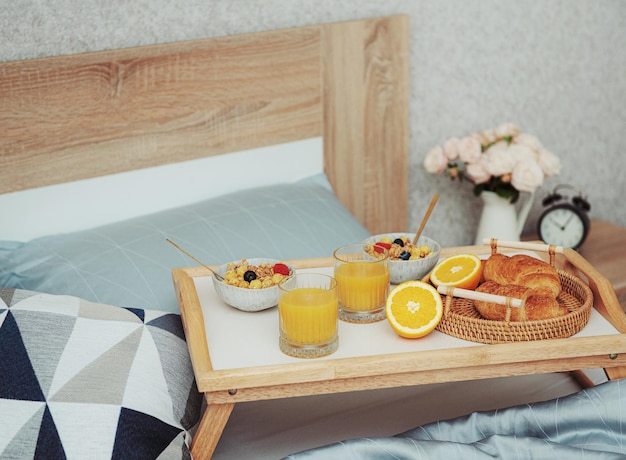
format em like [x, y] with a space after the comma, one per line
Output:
[500, 219]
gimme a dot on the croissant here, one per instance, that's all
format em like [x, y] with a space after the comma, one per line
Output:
[522, 277]
[536, 306]
[523, 270]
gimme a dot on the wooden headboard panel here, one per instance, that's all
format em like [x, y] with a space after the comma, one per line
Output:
[75, 117]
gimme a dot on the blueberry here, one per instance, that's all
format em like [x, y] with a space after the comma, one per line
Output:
[399, 242]
[405, 255]
[249, 276]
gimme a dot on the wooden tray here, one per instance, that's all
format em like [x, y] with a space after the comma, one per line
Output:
[223, 388]
[462, 320]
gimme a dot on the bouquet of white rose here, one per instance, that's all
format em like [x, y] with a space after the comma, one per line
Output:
[500, 160]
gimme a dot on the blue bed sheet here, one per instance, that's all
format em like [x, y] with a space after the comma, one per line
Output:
[586, 425]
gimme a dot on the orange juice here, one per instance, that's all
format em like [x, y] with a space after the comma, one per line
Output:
[362, 285]
[308, 315]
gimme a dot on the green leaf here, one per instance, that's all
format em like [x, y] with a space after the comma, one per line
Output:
[508, 192]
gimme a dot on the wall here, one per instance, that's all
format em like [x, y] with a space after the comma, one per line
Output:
[555, 68]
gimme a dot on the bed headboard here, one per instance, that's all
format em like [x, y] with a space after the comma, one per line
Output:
[81, 116]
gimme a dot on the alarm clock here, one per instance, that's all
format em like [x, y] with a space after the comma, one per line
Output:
[564, 223]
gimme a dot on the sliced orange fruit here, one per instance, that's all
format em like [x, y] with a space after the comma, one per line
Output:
[414, 308]
[462, 271]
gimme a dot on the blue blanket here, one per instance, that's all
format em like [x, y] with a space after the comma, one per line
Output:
[587, 425]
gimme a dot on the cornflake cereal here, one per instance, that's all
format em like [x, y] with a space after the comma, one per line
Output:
[244, 275]
[399, 249]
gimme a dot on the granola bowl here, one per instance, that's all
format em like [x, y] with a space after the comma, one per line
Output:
[251, 299]
[413, 269]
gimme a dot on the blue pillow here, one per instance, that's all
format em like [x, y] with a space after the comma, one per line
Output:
[129, 263]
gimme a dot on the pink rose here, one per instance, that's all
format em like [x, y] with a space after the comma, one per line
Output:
[480, 137]
[522, 153]
[498, 162]
[450, 149]
[528, 140]
[469, 149]
[501, 145]
[490, 135]
[550, 164]
[477, 172]
[527, 176]
[507, 129]
[435, 161]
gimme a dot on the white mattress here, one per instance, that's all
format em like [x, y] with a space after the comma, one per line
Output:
[272, 429]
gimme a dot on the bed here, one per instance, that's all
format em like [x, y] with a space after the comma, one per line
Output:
[280, 144]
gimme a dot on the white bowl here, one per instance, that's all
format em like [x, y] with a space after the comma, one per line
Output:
[405, 270]
[243, 298]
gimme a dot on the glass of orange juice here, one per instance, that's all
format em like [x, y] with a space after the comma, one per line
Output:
[307, 311]
[362, 282]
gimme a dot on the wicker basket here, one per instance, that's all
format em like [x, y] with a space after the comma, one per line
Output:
[462, 320]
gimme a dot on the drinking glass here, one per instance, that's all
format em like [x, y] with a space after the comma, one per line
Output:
[362, 282]
[307, 311]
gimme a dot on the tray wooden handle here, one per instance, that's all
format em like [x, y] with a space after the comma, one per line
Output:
[605, 299]
[523, 245]
[474, 295]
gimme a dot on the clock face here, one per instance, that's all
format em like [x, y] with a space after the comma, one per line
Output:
[562, 226]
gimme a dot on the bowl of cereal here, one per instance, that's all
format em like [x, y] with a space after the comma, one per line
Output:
[250, 284]
[407, 261]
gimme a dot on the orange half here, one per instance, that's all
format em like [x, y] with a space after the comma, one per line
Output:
[462, 271]
[414, 309]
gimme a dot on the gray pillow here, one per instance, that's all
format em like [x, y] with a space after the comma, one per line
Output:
[129, 263]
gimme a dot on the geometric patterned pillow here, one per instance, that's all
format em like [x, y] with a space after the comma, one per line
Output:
[86, 380]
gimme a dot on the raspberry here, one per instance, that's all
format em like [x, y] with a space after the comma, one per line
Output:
[379, 246]
[281, 269]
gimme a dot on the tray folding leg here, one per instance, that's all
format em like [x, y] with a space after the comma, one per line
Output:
[210, 430]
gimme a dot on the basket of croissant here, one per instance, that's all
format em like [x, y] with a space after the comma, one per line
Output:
[519, 298]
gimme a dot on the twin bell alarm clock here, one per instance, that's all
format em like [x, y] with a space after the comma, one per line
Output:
[564, 222]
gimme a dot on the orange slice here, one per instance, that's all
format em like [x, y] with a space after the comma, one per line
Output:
[414, 309]
[462, 271]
